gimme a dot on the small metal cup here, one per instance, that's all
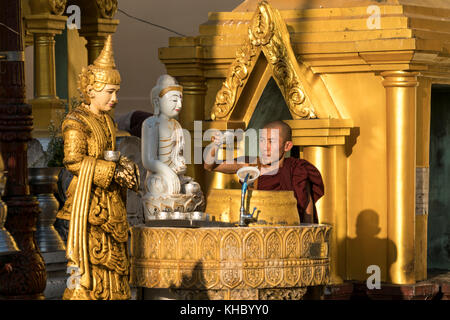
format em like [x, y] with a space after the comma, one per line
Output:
[110, 155]
[178, 215]
[198, 215]
[163, 215]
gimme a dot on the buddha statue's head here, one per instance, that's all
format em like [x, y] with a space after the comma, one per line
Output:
[99, 82]
[167, 96]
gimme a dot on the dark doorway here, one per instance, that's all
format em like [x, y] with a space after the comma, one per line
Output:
[438, 256]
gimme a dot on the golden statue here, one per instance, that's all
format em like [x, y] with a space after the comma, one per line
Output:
[97, 242]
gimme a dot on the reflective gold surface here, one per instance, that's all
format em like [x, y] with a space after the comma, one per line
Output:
[226, 260]
[194, 89]
[331, 209]
[341, 58]
[43, 26]
[401, 168]
[98, 232]
[276, 208]
[268, 35]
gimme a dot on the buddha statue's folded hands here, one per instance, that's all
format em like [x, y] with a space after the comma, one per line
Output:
[127, 174]
[171, 180]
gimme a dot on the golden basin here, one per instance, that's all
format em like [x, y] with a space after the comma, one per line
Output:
[264, 262]
[274, 208]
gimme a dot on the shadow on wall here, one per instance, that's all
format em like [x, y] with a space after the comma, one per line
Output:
[368, 249]
[351, 140]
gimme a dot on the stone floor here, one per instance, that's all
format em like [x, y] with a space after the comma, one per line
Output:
[436, 287]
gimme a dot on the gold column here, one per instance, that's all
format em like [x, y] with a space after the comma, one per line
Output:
[96, 24]
[323, 142]
[332, 208]
[45, 103]
[95, 33]
[44, 66]
[194, 91]
[94, 46]
[401, 166]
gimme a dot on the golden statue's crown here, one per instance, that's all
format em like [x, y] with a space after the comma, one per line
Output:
[106, 58]
[102, 72]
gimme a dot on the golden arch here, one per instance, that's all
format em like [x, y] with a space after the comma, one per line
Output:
[267, 52]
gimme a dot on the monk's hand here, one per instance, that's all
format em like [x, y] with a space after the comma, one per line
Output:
[127, 174]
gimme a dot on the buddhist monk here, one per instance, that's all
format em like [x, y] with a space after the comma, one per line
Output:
[277, 172]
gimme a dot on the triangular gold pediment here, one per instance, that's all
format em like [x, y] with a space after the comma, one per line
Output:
[268, 38]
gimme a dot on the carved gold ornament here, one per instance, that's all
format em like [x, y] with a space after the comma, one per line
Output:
[230, 258]
[108, 8]
[267, 33]
[57, 6]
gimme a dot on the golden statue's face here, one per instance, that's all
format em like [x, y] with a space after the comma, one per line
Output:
[171, 103]
[105, 99]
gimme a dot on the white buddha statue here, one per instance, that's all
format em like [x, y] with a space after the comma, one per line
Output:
[166, 186]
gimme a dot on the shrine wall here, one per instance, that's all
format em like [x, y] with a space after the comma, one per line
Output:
[367, 171]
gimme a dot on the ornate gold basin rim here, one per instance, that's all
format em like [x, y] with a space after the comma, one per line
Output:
[230, 258]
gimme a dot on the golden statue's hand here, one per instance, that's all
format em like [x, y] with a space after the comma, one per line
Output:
[127, 174]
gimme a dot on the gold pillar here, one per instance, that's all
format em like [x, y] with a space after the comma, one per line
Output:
[45, 103]
[95, 30]
[332, 208]
[323, 142]
[94, 46]
[44, 66]
[194, 91]
[401, 167]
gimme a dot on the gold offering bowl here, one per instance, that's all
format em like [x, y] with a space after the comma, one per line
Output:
[273, 208]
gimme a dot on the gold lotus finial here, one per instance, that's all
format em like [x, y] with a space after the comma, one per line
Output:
[106, 58]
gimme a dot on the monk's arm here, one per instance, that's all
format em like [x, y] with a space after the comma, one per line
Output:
[211, 163]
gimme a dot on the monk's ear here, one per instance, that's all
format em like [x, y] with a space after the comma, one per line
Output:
[288, 146]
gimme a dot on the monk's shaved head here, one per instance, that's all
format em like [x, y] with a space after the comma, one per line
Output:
[285, 129]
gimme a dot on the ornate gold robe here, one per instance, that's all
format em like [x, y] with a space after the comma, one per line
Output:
[98, 232]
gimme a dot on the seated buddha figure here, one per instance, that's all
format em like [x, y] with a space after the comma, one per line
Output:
[167, 188]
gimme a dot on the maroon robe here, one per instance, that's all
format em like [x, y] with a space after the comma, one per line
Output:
[299, 176]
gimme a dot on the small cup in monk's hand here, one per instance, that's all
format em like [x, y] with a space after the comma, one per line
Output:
[110, 155]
